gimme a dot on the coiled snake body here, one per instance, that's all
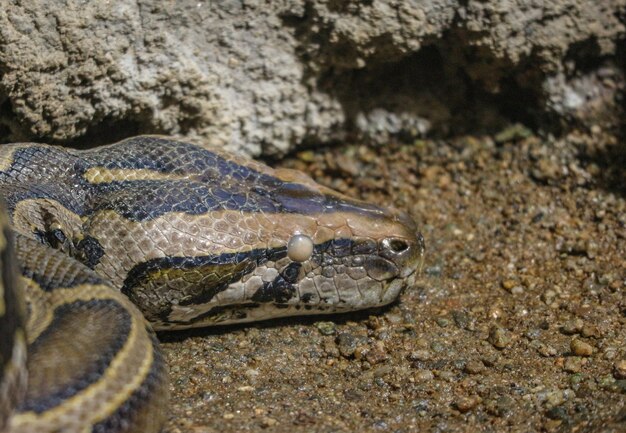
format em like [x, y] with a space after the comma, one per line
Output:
[193, 236]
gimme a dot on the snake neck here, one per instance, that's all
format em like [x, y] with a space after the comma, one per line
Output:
[47, 198]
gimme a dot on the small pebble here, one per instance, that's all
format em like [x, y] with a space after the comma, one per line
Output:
[573, 364]
[433, 271]
[490, 359]
[245, 388]
[517, 290]
[499, 337]
[393, 318]
[352, 394]
[326, 328]
[465, 404]
[609, 353]
[513, 287]
[266, 421]
[437, 347]
[552, 424]
[513, 132]
[546, 170]
[548, 296]
[607, 382]
[424, 375]
[420, 355]
[443, 322]
[546, 350]
[495, 312]
[619, 369]
[446, 375]
[502, 406]
[382, 371]
[580, 348]
[347, 343]
[347, 165]
[421, 407]
[591, 331]
[533, 334]
[331, 349]
[572, 326]
[462, 319]
[306, 156]
[508, 284]
[252, 374]
[381, 425]
[554, 398]
[474, 367]
[374, 322]
[576, 379]
[558, 412]
[376, 354]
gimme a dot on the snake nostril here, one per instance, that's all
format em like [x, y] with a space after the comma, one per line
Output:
[396, 245]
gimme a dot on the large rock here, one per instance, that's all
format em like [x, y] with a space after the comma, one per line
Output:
[265, 78]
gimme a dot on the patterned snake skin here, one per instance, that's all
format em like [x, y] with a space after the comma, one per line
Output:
[193, 237]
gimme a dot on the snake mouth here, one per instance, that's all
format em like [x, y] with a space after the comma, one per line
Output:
[381, 269]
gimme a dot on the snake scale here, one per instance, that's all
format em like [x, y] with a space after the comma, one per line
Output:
[193, 236]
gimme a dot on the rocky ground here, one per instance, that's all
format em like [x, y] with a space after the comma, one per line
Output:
[265, 76]
[518, 322]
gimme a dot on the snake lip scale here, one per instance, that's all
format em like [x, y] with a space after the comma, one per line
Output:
[101, 247]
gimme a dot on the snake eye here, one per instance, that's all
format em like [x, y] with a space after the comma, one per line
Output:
[300, 248]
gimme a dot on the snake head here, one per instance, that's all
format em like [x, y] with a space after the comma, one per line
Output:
[313, 251]
[342, 254]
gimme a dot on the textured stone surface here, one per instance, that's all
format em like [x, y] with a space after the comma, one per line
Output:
[265, 78]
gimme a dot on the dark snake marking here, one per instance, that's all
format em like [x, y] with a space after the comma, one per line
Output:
[138, 200]
[227, 268]
[132, 407]
[65, 318]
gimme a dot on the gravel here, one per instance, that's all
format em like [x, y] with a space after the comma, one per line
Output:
[553, 354]
[580, 348]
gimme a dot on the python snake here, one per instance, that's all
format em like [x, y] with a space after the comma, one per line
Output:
[193, 236]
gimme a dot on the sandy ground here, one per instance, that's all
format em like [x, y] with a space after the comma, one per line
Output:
[517, 323]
